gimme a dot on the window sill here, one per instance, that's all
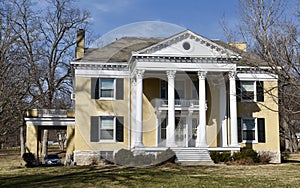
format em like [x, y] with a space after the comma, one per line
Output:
[250, 142]
[107, 142]
[106, 99]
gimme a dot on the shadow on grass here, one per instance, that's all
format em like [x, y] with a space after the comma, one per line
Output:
[76, 176]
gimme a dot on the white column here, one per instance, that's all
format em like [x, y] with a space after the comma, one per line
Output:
[201, 129]
[133, 112]
[139, 108]
[223, 117]
[233, 110]
[171, 109]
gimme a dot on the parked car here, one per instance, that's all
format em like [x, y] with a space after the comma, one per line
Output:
[52, 159]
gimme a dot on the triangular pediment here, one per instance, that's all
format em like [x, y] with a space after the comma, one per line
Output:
[187, 44]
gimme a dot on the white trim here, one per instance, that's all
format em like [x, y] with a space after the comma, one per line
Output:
[50, 121]
[162, 66]
[101, 73]
[98, 63]
[257, 77]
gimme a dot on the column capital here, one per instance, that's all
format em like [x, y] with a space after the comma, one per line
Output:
[202, 74]
[232, 75]
[171, 74]
[133, 82]
[139, 74]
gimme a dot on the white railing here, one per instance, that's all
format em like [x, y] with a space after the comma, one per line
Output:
[178, 103]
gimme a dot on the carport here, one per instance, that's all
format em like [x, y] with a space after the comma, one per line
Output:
[38, 120]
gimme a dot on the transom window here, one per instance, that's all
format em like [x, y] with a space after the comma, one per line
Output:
[107, 88]
[107, 128]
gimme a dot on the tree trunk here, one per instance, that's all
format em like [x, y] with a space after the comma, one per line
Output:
[45, 142]
[22, 140]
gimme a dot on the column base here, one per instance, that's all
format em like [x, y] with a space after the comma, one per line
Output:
[139, 145]
[169, 145]
[201, 146]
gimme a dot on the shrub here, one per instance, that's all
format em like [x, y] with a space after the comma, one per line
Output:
[124, 157]
[30, 159]
[246, 154]
[140, 160]
[165, 157]
[264, 158]
[220, 156]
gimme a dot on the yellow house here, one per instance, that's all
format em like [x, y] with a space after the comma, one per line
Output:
[185, 92]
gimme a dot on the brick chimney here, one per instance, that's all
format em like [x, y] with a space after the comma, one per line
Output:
[239, 45]
[80, 44]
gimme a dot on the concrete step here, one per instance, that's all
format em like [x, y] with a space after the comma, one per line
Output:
[193, 156]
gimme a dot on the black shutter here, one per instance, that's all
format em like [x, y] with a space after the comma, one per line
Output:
[94, 129]
[95, 88]
[238, 90]
[239, 126]
[261, 130]
[260, 91]
[120, 129]
[120, 88]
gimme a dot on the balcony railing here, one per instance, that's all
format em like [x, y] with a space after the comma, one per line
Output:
[182, 103]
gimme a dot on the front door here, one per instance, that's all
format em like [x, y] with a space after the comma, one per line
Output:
[180, 131]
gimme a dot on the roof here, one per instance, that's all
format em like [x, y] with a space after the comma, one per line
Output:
[119, 50]
[247, 58]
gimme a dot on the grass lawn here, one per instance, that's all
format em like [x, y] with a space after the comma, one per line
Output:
[279, 175]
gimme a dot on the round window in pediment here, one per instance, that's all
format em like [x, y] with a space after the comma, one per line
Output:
[186, 45]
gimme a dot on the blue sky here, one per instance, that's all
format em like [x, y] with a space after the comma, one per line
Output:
[111, 19]
[200, 16]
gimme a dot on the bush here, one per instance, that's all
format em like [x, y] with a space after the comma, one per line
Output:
[140, 160]
[124, 157]
[220, 156]
[264, 158]
[247, 155]
[165, 157]
[30, 159]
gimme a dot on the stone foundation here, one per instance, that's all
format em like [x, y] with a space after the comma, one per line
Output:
[275, 156]
[87, 157]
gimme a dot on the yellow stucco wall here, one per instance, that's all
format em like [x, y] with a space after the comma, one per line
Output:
[87, 107]
[70, 139]
[32, 144]
[262, 110]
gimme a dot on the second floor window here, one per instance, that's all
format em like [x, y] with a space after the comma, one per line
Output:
[251, 91]
[107, 88]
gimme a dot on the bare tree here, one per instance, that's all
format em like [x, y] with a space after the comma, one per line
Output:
[36, 48]
[275, 39]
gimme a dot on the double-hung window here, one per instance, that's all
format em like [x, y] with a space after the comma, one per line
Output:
[247, 91]
[251, 91]
[251, 130]
[107, 88]
[107, 129]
